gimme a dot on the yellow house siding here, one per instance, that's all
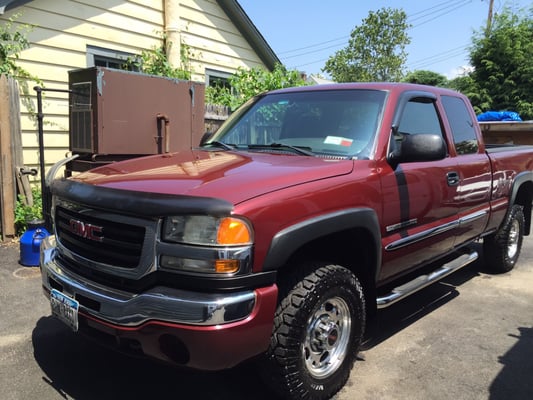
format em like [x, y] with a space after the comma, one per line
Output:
[64, 28]
[213, 39]
[62, 31]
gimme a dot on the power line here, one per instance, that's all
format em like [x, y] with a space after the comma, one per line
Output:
[313, 45]
[437, 59]
[423, 17]
[421, 63]
[430, 8]
[453, 50]
[456, 7]
[312, 51]
[438, 8]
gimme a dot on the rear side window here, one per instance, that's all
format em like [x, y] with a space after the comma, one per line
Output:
[462, 125]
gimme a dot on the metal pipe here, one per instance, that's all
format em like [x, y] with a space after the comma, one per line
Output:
[172, 30]
[166, 137]
[44, 195]
[40, 116]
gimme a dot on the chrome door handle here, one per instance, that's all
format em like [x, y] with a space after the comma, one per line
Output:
[452, 178]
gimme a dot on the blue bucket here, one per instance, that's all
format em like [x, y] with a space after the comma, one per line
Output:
[30, 242]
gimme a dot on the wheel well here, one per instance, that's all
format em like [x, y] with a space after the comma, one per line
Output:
[353, 249]
[524, 198]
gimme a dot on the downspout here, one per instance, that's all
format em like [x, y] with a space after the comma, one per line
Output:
[172, 31]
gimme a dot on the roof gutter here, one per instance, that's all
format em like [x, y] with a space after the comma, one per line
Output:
[243, 23]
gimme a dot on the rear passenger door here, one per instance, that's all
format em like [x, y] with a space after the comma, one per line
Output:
[419, 205]
[475, 178]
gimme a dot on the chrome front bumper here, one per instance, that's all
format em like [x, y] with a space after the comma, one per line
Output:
[129, 309]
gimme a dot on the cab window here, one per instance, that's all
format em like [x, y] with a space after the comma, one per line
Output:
[461, 124]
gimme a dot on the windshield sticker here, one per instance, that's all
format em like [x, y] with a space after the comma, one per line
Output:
[339, 141]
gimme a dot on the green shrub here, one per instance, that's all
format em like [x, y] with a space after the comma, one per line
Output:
[247, 83]
[25, 213]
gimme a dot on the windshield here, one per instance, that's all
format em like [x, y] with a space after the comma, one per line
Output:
[328, 123]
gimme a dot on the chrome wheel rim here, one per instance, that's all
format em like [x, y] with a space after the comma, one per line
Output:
[327, 337]
[512, 243]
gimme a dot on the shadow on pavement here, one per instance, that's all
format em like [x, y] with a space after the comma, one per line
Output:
[78, 368]
[399, 316]
[517, 369]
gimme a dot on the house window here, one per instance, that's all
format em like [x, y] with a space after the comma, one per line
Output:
[101, 57]
[217, 78]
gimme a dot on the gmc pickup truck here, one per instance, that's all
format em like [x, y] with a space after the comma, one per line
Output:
[308, 210]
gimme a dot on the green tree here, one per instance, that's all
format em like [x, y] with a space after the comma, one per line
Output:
[247, 83]
[479, 97]
[503, 64]
[375, 51]
[424, 77]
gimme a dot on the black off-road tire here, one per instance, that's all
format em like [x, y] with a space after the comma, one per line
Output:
[502, 249]
[318, 328]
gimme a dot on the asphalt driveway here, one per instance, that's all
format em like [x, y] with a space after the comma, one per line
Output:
[469, 336]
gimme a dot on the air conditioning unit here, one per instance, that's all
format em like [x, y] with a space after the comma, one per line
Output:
[118, 114]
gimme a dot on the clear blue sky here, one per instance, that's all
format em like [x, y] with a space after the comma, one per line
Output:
[305, 33]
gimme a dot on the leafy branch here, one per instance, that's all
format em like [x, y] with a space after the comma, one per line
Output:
[13, 40]
[155, 61]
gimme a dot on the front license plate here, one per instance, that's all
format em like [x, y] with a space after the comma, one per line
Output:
[65, 308]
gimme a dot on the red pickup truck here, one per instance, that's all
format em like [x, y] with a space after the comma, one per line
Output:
[279, 235]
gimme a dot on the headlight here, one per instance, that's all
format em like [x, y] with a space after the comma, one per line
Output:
[207, 230]
[227, 244]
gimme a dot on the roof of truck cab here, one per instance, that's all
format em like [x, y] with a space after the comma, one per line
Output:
[388, 86]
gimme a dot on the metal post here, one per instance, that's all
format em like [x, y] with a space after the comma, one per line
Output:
[44, 195]
[40, 116]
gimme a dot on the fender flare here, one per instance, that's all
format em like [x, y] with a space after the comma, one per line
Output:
[522, 177]
[519, 180]
[285, 242]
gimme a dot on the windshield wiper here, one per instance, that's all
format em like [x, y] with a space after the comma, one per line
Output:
[306, 151]
[216, 143]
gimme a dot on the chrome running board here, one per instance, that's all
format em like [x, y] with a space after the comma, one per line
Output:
[422, 281]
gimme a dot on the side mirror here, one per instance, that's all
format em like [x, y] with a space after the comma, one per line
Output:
[418, 147]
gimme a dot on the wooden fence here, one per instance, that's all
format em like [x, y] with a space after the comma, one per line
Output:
[11, 153]
[214, 116]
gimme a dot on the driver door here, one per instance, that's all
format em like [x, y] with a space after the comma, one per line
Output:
[419, 206]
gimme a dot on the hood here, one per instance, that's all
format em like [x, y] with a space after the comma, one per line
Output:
[233, 176]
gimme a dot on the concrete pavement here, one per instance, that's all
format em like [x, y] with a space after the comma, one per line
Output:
[469, 336]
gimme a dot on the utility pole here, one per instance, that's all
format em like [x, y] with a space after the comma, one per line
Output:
[489, 19]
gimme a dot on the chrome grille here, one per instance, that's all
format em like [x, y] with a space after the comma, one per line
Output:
[121, 244]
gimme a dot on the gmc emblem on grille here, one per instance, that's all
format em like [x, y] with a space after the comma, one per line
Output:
[86, 231]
